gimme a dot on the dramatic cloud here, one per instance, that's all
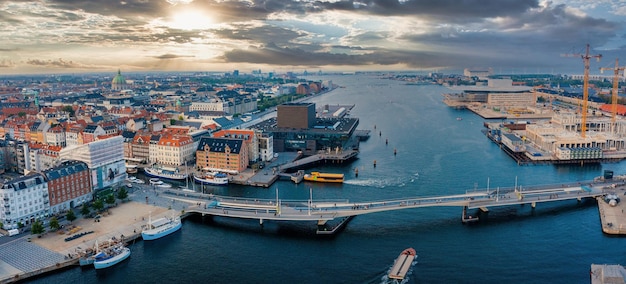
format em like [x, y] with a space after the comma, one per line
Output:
[6, 63]
[171, 56]
[325, 34]
[56, 63]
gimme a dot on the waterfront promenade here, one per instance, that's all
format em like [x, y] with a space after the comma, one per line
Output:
[27, 255]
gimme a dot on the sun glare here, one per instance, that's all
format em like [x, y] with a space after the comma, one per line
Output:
[190, 20]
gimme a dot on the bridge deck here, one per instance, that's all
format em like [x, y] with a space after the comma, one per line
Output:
[325, 210]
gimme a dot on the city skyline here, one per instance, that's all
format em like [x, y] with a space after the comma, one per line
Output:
[72, 36]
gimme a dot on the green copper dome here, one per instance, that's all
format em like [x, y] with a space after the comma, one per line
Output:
[118, 81]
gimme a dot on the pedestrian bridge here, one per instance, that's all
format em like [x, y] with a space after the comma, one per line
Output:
[323, 211]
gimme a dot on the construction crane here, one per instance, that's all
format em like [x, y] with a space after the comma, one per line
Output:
[585, 57]
[616, 72]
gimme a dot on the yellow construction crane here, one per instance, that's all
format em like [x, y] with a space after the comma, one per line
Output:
[617, 69]
[585, 57]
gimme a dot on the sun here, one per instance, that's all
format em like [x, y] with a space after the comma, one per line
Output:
[190, 20]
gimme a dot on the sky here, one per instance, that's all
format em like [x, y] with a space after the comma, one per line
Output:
[510, 36]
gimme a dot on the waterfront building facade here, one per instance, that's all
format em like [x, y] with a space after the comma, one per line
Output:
[140, 147]
[250, 136]
[24, 200]
[222, 154]
[69, 185]
[266, 147]
[174, 150]
[105, 159]
[295, 115]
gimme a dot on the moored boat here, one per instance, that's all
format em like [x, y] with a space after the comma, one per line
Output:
[324, 177]
[131, 169]
[164, 185]
[166, 173]
[87, 256]
[160, 227]
[155, 181]
[402, 264]
[211, 178]
[111, 256]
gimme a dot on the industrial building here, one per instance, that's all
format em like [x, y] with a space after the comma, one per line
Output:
[296, 128]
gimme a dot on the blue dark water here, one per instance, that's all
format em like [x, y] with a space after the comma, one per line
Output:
[436, 155]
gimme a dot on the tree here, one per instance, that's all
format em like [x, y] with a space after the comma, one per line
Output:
[37, 228]
[85, 210]
[1, 225]
[68, 109]
[54, 223]
[122, 193]
[70, 216]
[98, 205]
[21, 114]
[110, 199]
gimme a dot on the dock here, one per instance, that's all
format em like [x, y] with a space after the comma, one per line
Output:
[288, 162]
[322, 230]
[607, 273]
[613, 218]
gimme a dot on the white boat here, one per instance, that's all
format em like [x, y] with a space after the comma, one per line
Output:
[211, 178]
[403, 263]
[164, 185]
[88, 256]
[138, 181]
[111, 256]
[166, 173]
[155, 181]
[160, 228]
[131, 169]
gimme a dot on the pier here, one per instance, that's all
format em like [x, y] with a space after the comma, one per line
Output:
[290, 162]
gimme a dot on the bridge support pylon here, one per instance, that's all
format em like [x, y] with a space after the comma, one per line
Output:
[533, 205]
[465, 218]
[261, 221]
[321, 222]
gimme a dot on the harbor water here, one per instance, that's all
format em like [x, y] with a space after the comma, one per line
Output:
[436, 154]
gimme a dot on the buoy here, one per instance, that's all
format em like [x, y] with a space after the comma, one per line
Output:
[380, 133]
[394, 151]
[386, 141]
[374, 163]
[356, 172]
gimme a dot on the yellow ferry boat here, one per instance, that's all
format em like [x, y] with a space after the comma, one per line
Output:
[323, 177]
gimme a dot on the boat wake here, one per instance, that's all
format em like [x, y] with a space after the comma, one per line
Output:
[386, 280]
[383, 182]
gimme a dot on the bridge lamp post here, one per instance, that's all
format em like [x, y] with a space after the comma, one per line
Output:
[310, 199]
[277, 202]
[497, 194]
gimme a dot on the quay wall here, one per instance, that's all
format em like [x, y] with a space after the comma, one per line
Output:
[54, 268]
